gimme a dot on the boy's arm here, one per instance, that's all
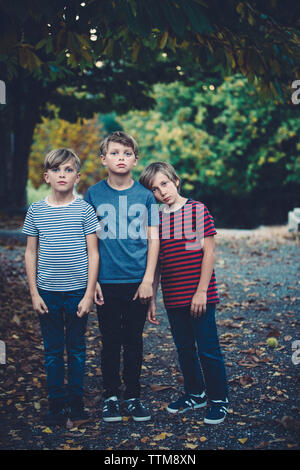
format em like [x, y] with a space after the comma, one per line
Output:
[86, 303]
[31, 269]
[151, 314]
[145, 290]
[199, 300]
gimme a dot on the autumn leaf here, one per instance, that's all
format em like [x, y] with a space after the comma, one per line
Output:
[158, 388]
[47, 431]
[242, 440]
[191, 446]
[162, 436]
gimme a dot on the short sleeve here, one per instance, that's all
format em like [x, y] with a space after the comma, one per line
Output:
[205, 222]
[29, 227]
[153, 212]
[91, 224]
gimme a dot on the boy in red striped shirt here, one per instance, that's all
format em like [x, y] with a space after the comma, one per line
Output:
[186, 268]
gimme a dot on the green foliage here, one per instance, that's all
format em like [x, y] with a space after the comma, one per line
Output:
[227, 146]
[36, 194]
[83, 137]
[56, 40]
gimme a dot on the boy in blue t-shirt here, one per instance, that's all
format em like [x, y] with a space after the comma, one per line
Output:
[129, 245]
[62, 262]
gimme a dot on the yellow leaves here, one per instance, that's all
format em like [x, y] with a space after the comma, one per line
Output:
[191, 446]
[28, 59]
[83, 137]
[47, 431]
[162, 436]
[242, 440]
[68, 447]
[163, 40]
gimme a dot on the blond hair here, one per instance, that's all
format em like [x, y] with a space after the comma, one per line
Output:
[120, 138]
[148, 174]
[62, 155]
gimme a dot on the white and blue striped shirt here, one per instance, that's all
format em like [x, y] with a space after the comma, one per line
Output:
[62, 230]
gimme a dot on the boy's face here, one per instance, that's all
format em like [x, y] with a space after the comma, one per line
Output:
[119, 159]
[165, 191]
[63, 177]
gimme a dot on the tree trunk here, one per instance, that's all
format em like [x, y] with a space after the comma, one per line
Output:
[17, 122]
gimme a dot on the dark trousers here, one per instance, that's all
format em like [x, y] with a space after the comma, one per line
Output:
[62, 327]
[121, 323]
[199, 352]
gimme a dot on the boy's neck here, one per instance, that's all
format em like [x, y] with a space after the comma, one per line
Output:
[120, 182]
[60, 199]
[180, 202]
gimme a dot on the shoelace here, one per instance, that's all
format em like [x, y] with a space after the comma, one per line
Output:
[134, 404]
[190, 402]
[111, 405]
[222, 408]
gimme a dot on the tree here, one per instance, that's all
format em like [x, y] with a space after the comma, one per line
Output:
[49, 52]
[231, 150]
[82, 136]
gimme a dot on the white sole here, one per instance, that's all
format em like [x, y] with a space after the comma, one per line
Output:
[170, 410]
[147, 418]
[112, 420]
[215, 421]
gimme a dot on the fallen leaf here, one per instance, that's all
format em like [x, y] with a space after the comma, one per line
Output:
[191, 446]
[242, 440]
[47, 431]
[158, 388]
[162, 436]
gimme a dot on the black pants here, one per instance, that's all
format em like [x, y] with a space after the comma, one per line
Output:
[121, 323]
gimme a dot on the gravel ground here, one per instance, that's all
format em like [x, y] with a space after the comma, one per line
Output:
[258, 277]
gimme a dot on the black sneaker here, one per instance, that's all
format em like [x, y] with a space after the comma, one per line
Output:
[76, 411]
[56, 413]
[217, 412]
[111, 410]
[187, 402]
[137, 410]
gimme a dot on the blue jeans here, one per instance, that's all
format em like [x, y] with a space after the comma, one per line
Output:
[62, 327]
[199, 353]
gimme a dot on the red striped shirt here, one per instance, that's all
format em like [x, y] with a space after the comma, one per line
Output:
[181, 236]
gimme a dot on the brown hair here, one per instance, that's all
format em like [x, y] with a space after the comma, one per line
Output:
[58, 156]
[120, 138]
[151, 170]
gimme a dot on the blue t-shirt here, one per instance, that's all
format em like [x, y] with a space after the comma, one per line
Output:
[62, 231]
[124, 216]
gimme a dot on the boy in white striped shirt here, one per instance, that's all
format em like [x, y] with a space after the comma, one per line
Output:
[62, 263]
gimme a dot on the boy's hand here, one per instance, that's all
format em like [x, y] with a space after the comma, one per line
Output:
[144, 292]
[151, 314]
[98, 297]
[39, 305]
[198, 305]
[84, 306]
